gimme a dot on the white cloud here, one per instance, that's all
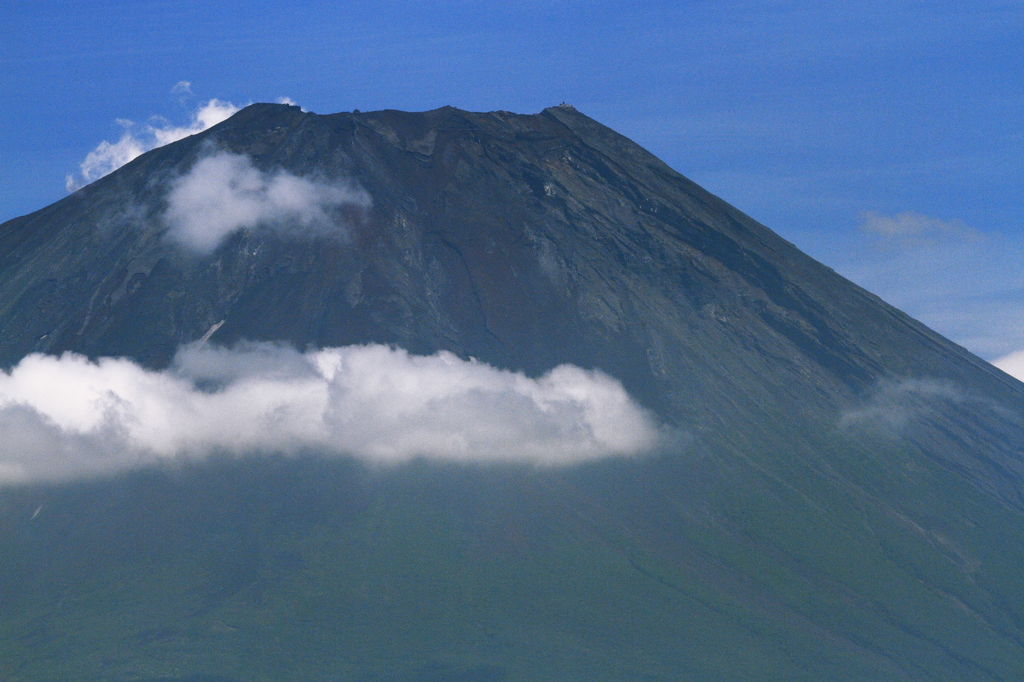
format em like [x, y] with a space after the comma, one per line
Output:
[910, 227]
[225, 193]
[66, 416]
[136, 140]
[1012, 364]
[292, 103]
[966, 284]
[182, 88]
[106, 158]
[894, 403]
[206, 116]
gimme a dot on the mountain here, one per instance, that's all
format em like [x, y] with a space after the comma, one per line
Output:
[841, 497]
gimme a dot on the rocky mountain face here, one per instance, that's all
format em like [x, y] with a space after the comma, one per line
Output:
[843, 499]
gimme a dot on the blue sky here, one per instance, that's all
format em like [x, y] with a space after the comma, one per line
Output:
[883, 138]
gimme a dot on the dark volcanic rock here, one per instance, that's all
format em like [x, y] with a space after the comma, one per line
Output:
[848, 503]
[524, 241]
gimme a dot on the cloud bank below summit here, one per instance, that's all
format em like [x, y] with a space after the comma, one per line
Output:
[378, 403]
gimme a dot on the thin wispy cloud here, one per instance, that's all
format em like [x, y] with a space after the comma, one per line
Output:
[290, 102]
[138, 139]
[909, 228]
[964, 283]
[894, 403]
[225, 193]
[206, 116]
[374, 402]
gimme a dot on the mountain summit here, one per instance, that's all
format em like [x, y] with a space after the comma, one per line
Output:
[839, 496]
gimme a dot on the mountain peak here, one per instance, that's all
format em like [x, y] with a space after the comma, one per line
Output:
[841, 498]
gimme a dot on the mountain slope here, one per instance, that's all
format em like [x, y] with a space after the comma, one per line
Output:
[843, 499]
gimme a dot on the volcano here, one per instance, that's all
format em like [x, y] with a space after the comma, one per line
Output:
[841, 496]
